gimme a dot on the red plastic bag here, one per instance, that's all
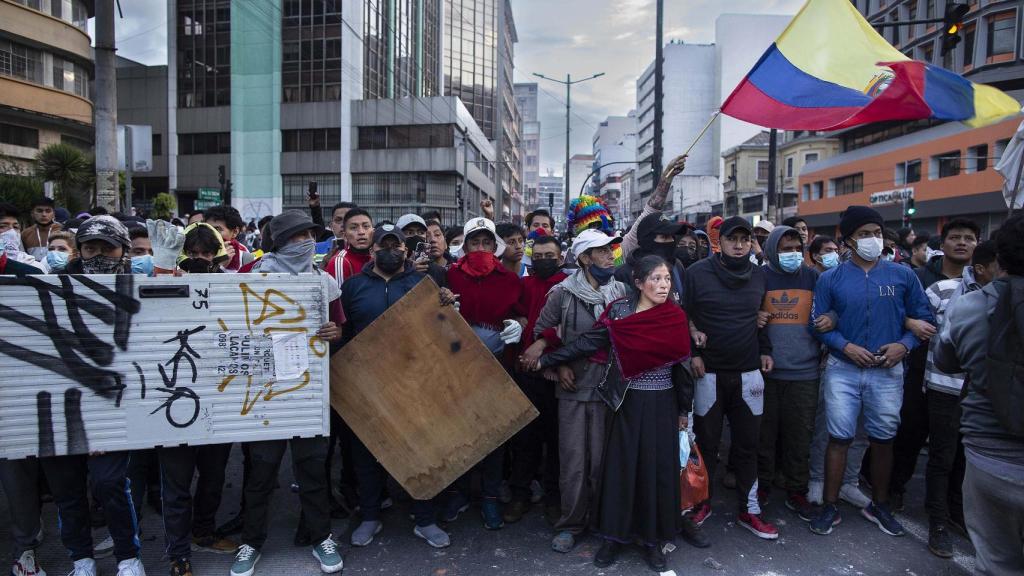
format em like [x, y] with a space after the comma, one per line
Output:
[693, 480]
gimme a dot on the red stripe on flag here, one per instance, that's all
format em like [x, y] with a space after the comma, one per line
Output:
[902, 100]
[749, 103]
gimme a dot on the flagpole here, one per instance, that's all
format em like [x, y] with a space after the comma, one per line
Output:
[702, 132]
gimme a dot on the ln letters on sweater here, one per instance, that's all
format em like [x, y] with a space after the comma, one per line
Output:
[423, 393]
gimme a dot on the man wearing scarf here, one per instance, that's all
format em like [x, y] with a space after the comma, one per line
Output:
[571, 309]
[722, 295]
[489, 301]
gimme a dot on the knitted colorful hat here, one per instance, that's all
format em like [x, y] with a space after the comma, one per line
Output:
[528, 257]
[585, 211]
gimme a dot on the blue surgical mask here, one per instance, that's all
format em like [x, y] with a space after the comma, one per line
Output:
[142, 265]
[830, 260]
[602, 275]
[790, 261]
[57, 260]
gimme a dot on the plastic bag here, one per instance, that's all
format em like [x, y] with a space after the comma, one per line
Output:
[684, 448]
[693, 479]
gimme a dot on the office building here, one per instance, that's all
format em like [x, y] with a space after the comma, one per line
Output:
[551, 196]
[614, 146]
[526, 101]
[142, 100]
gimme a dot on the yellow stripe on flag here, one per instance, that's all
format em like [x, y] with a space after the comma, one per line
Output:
[991, 105]
[831, 40]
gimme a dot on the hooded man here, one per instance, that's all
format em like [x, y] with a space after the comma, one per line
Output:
[656, 234]
[791, 392]
[722, 297]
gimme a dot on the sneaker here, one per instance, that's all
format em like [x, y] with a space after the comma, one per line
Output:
[327, 554]
[84, 567]
[245, 561]
[563, 542]
[798, 503]
[26, 565]
[607, 554]
[181, 567]
[692, 533]
[882, 516]
[827, 519]
[851, 494]
[939, 541]
[233, 526]
[491, 512]
[130, 567]
[215, 544]
[457, 504]
[701, 513]
[656, 558]
[104, 548]
[729, 480]
[759, 527]
[815, 492]
[433, 535]
[364, 533]
[514, 512]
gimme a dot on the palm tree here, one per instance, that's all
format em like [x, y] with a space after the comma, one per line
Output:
[67, 167]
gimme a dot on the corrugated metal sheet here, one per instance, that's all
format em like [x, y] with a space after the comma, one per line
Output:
[105, 363]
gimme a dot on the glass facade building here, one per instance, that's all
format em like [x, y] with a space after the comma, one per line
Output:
[203, 31]
[401, 48]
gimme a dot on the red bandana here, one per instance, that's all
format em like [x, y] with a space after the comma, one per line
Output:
[478, 264]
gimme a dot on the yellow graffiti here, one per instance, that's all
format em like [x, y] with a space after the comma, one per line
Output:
[320, 352]
[270, 309]
[271, 394]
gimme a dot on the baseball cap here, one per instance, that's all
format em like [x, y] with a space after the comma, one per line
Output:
[659, 223]
[476, 225]
[592, 238]
[730, 225]
[384, 230]
[407, 219]
[765, 225]
[106, 228]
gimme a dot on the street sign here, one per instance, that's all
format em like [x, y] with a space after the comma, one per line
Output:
[208, 198]
[891, 196]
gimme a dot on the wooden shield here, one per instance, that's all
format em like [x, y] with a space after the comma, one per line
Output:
[424, 394]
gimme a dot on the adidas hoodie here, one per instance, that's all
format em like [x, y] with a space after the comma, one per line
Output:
[788, 300]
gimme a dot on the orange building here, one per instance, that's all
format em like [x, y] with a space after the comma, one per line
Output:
[948, 170]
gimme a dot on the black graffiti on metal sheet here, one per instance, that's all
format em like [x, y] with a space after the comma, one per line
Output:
[171, 388]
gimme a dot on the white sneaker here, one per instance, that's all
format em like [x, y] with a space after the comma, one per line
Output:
[132, 567]
[852, 495]
[815, 488]
[104, 548]
[84, 567]
[27, 565]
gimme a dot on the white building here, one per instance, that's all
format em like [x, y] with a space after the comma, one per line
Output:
[551, 195]
[614, 154]
[740, 40]
[526, 101]
[689, 102]
[580, 167]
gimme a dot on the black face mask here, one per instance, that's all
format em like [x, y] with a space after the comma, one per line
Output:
[388, 261]
[198, 266]
[686, 255]
[546, 268]
[735, 264]
[666, 250]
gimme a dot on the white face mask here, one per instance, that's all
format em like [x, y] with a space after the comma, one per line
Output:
[869, 248]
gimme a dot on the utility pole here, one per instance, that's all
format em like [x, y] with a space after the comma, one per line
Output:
[106, 108]
[568, 123]
[659, 58]
[773, 150]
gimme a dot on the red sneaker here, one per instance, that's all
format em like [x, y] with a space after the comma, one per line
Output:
[798, 503]
[701, 513]
[759, 527]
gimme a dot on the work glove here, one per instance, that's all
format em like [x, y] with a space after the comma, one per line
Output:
[167, 241]
[512, 333]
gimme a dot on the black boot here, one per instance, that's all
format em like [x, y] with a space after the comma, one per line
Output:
[607, 554]
[656, 558]
[692, 533]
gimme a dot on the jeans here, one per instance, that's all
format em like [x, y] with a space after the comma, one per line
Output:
[787, 428]
[528, 445]
[372, 478]
[994, 510]
[850, 391]
[107, 474]
[20, 479]
[184, 515]
[308, 456]
[942, 481]
[854, 455]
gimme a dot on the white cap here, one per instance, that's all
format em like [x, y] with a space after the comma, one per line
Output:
[407, 219]
[475, 225]
[591, 238]
[765, 225]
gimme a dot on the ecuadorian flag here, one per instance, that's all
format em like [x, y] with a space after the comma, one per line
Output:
[830, 69]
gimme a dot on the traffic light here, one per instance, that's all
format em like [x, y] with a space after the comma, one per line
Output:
[909, 212]
[952, 22]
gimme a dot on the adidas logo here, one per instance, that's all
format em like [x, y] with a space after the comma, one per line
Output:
[784, 303]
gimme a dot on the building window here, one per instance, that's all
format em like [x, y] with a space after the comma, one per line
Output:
[70, 77]
[977, 158]
[1002, 34]
[816, 191]
[203, 31]
[927, 52]
[970, 36]
[204, 143]
[311, 51]
[894, 16]
[19, 136]
[395, 64]
[1001, 147]
[945, 165]
[810, 157]
[311, 140]
[929, 10]
[805, 192]
[753, 204]
[294, 188]
[848, 184]
[21, 62]
[396, 137]
[908, 172]
[388, 195]
[158, 145]
[789, 167]
[762, 170]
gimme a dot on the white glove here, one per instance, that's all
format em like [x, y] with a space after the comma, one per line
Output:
[167, 241]
[512, 333]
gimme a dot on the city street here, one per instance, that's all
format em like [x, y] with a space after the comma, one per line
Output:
[855, 548]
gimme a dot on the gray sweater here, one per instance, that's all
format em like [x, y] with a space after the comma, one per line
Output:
[573, 317]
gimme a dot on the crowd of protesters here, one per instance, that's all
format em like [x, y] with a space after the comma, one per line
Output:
[833, 359]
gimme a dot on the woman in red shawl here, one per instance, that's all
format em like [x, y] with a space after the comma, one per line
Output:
[650, 390]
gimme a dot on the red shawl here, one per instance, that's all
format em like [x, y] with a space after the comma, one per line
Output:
[648, 340]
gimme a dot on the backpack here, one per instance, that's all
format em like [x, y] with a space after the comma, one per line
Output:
[1005, 362]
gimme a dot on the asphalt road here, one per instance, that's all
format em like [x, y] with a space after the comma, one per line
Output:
[855, 548]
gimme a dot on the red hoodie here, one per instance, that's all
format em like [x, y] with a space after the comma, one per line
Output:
[489, 300]
[535, 295]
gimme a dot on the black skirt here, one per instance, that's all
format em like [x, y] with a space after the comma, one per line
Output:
[640, 487]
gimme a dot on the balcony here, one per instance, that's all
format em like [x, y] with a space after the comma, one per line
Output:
[51, 34]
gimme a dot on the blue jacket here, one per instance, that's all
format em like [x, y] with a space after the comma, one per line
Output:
[366, 296]
[871, 307]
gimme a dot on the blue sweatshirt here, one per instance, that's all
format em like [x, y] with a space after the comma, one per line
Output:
[871, 306]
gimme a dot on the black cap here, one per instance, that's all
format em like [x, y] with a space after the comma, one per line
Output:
[856, 216]
[288, 224]
[733, 224]
[384, 230]
[658, 223]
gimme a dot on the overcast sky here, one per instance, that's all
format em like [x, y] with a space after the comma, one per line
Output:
[556, 37]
